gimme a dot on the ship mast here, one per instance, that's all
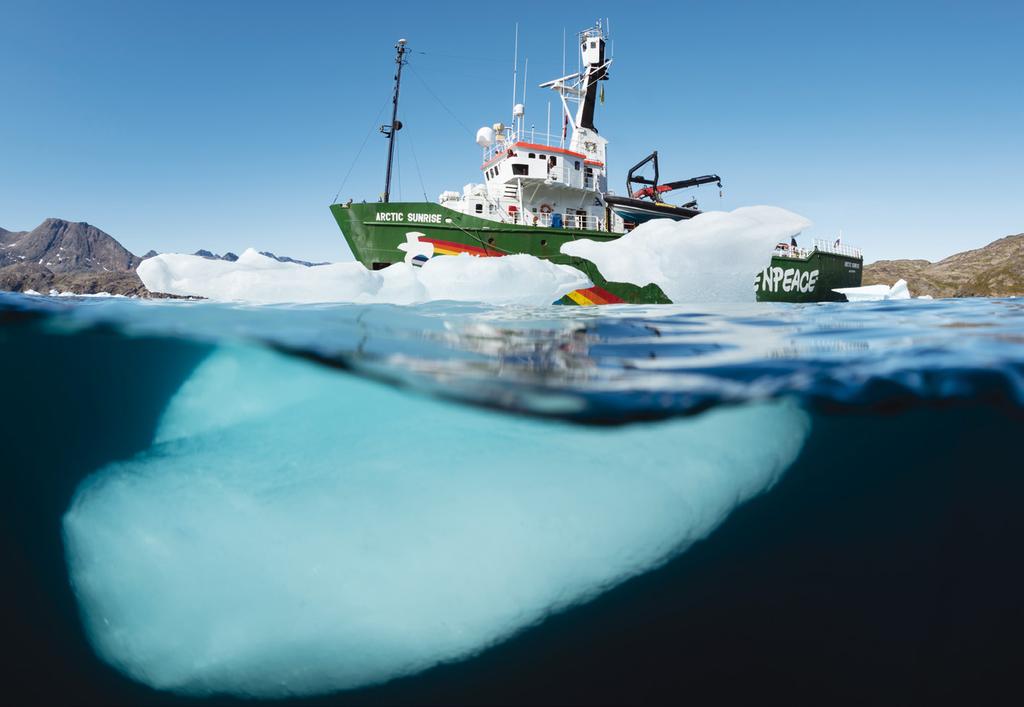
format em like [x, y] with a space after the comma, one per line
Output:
[396, 125]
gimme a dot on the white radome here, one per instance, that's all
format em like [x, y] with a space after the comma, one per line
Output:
[485, 136]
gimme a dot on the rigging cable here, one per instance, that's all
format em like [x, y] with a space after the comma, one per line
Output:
[439, 101]
[360, 152]
[419, 174]
[474, 59]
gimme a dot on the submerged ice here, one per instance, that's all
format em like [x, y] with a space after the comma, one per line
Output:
[294, 531]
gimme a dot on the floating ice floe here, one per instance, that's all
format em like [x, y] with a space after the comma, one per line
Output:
[870, 293]
[296, 532]
[255, 278]
[710, 258]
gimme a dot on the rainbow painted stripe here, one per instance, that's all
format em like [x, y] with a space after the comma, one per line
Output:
[450, 248]
[591, 296]
[584, 298]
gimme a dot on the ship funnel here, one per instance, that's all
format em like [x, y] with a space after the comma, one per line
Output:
[485, 137]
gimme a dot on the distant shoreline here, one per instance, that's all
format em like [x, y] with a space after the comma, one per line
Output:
[78, 258]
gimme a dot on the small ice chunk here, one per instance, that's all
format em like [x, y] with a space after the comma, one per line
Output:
[873, 293]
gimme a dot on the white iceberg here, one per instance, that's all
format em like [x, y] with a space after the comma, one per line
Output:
[710, 258]
[873, 293]
[257, 279]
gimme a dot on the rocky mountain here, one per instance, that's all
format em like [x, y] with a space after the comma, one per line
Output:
[65, 247]
[286, 259]
[68, 257]
[203, 253]
[75, 257]
[997, 270]
[231, 257]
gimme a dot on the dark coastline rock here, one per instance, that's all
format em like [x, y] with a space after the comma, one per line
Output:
[24, 277]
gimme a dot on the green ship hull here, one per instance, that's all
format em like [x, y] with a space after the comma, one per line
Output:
[810, 278]
[374, 232]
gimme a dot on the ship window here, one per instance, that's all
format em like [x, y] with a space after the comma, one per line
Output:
[543, 243]
[380, 266]
[533, 156]
[479, 208]
[593, 45]
[520, 169]
[576, 164]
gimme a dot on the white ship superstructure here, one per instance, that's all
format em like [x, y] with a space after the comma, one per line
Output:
[540, 178]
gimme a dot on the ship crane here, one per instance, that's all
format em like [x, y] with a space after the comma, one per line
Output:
[646, 203]
[654, 190]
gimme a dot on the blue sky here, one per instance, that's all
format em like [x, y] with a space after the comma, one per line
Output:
[222, 125]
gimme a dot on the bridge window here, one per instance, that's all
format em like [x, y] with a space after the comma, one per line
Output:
[479, 208]
[576, 165]
[533, 156]
[520, 169]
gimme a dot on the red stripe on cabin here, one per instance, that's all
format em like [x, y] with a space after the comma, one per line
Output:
[539, 148]
[547, 148]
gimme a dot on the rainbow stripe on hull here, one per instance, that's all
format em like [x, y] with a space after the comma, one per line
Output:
[452, 248]
[591, 296]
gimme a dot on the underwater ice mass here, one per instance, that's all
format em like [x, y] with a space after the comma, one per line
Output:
[293, 531]
[711, 257]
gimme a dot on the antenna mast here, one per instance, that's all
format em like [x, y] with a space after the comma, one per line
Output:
[396, 125]
[515, 74]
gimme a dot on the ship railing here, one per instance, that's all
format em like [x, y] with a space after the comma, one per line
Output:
[570, 221]
[785, 250]
[511, 137]
[836, 247]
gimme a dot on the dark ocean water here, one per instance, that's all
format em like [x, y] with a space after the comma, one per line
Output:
[457, 504]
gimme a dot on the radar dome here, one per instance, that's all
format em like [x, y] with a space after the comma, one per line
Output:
[485, 136]
[518, 110]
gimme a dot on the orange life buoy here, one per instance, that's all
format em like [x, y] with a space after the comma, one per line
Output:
[545, 209]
